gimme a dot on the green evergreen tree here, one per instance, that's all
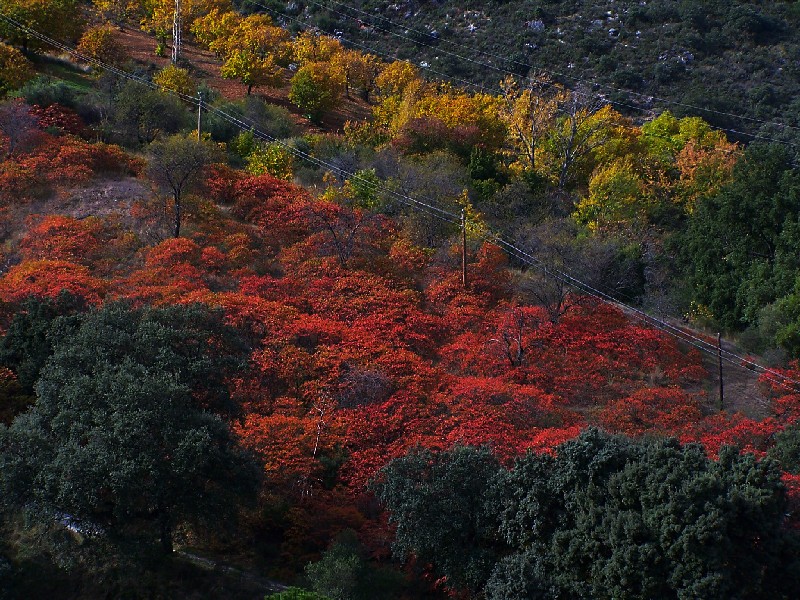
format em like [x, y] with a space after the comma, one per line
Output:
[438, 503]
[126, 435]
[735, 253]
[603, 517]
[28, 343]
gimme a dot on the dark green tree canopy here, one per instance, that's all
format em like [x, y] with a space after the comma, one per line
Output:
[27, 344]
[604, 517]
[139, 116]
[126, 432]
[343, 573]
[439, 504]
[740, 251]
[611, 518]
[787, 449]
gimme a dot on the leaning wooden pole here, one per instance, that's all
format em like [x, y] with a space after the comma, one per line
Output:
[199, 113]
[463, 248]
[721, 387]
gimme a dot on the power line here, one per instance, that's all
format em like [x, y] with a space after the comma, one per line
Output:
[562, 75]
[430, 69]
[88, 59]
[431, 209]
[239, 122]
[499, 92]
[449, 217]
[524, 256]
[423, 35]
[355, 44]
[695, 341]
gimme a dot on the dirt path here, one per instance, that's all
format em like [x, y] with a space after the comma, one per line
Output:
[741, 390]
[260, 584]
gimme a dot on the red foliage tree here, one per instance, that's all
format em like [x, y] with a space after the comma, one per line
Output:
[172, 271]
[47, 278]
[663, 411]
[57, 237]
[57, 117]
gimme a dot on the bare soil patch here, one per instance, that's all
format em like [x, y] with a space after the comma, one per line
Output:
[100, 198]
[741, 389]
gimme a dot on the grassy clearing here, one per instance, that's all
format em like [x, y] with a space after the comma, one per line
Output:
[65, 70]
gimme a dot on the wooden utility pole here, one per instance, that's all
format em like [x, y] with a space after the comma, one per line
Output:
[199, 112]
[463, 248]
[719, 355]
[176, 33]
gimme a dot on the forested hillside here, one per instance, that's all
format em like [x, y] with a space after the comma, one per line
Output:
[733, 63]
[280, 312]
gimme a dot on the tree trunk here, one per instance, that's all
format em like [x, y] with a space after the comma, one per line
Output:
[249, 88]
[165, 527]
[177, 223]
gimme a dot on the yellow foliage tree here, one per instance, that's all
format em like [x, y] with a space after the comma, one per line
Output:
[310, 47]
[255, 52]
[316, 89]
[439, 112]
[617, 197]
[456, 108]
[119, 11]
[256, 34]
[159, 14]
[274, 159]
[395, 77]
[61, 19]
[213, 29]
[583, 128]
[399, 86]
[100, 43]
[395, 110]
[175, 79]
[15, 69]
[360, 71]
[529, 113]
[252, 70]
